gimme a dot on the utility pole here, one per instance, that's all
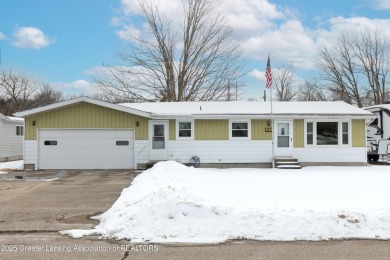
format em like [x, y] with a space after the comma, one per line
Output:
[265, 96]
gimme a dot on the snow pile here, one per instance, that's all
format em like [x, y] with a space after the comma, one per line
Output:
[175, 203]
[10, 166]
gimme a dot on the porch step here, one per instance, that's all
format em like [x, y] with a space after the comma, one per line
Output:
[287, 162]
[285, 159]
[291, 166]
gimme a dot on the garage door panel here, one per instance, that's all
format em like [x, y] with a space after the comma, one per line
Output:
[86, 149]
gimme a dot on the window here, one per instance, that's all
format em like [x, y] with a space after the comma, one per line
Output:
[19, 130]
[158, 137]
[184, 129]
[239, 130]
[50, 143]
[309, 133]
[122, 143]
[327, 133]
[344, 133]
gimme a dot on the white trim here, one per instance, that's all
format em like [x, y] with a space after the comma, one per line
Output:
[246, 121]
[339, 132]
[192, 121]
[79, 100]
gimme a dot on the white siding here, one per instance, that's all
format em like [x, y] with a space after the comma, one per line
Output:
[221, 151]
[341, 154]
[30, 152]
[141, 151]
[256, 152]
[10, 143]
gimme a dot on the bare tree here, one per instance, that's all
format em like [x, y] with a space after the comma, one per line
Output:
[311, 91]
[198, 62]
[46, 96]
[284, 80]
[356, 68]
[19, 92]
[372, 50]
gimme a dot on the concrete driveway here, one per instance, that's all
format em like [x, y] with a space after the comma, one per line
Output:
[35, 204]
[33, 210]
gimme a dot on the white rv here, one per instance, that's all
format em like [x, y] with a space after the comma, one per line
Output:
[378, 132]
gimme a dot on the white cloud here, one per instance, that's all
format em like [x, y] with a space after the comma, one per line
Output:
[260, 76]
[127, 32]
[30, 38]
[382, 4]
[75, 87]
[2, 36]
[338, 25]
[261, 27]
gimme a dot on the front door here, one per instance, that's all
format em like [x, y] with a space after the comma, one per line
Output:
[283, 138]
[158, 131]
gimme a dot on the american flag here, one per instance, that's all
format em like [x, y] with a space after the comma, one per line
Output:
[268, 74]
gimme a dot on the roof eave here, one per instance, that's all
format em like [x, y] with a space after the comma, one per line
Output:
[80, 100]
[262, 116]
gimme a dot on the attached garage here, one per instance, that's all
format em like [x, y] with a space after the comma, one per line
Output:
[85, 149]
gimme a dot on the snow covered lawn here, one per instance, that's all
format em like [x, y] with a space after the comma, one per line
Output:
[5, 167]
[175, 203]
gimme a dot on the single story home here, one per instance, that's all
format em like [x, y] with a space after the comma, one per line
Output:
[11, 138]
[84, 133]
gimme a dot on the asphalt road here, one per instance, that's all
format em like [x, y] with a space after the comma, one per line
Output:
[32, 212]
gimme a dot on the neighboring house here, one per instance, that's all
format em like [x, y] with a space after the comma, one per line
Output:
[84, 133]
[11, 138]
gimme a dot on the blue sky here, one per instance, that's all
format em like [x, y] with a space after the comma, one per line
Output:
[64, 42]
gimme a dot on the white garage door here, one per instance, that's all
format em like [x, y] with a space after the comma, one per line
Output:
[85, 149]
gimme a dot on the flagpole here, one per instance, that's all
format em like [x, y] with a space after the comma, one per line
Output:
[272, 125]
[268, 76]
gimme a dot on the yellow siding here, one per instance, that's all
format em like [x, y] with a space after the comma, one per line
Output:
[172, 129]
[299, 133]
[86, 115]
[211, 129]
[358, 133]
[258, 130]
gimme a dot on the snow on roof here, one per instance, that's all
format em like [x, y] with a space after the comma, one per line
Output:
[11, 119]
[378, 107]
[331, 108]
[15, 119]
[77, 101]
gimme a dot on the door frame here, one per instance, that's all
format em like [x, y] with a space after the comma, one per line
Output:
[283, 151]
[161, 154]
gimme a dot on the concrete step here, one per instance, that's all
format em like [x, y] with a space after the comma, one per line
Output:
[285, 159]
[290, 166]
[287, 162]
